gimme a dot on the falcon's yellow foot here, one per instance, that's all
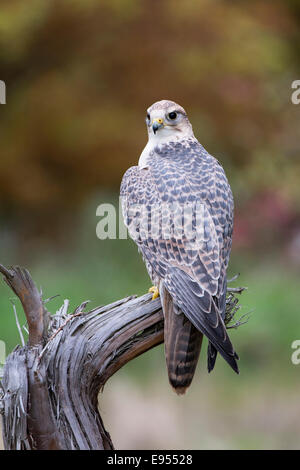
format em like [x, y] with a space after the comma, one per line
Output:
[154, 291]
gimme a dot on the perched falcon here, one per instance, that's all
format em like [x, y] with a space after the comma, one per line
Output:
[178, 207]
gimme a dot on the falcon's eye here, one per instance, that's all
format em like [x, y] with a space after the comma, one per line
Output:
[148, 116]
[172, 115]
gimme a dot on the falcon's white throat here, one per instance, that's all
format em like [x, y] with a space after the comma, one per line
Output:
[163, 136]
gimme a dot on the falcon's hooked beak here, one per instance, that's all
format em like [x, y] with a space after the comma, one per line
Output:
[157, 124]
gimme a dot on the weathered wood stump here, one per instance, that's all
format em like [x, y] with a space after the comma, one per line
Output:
[49, 392]
[50, 386]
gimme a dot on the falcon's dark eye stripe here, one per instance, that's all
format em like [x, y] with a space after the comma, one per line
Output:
[148, 116]
[172, 115]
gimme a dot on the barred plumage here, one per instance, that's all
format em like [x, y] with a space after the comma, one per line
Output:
[178, 207]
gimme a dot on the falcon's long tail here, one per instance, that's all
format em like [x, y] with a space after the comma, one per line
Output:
[182, 345]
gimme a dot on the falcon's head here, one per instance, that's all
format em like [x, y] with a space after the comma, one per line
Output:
[167, 120]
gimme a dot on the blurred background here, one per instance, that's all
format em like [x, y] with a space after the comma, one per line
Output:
[79, 76]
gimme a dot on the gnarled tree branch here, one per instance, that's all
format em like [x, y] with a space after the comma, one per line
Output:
[50, 386]
[49, 391]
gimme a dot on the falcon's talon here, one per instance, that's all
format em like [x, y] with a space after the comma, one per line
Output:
[154, 291]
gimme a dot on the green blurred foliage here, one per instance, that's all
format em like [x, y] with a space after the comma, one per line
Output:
[257, 409]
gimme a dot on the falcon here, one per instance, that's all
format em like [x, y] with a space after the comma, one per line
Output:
[178, 207]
